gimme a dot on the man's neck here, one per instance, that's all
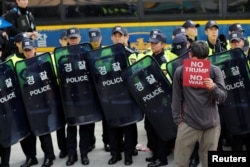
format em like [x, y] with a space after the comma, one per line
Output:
[212, 41]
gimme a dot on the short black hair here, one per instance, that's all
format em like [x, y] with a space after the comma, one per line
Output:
[199, 49]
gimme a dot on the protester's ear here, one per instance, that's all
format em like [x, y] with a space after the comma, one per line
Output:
[190, 55]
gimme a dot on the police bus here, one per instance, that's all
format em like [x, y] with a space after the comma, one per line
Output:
[138, 16]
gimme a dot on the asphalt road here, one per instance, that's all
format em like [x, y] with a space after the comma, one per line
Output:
[98, 157]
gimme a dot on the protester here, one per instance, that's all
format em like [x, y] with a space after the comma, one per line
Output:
[192, 109]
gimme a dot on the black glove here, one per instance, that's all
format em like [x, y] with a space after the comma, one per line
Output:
[223, 41]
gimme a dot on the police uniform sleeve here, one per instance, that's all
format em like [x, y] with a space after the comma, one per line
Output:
[12, 18]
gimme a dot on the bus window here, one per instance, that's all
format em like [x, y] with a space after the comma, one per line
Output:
[239, 6]
[100, 8]
[45, 9]
[180, 7]
[210, 6]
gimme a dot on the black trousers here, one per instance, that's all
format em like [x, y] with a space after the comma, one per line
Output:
[129, 139]
[158, 147]
[5, 156]
[92, 134]
[29, 146]
[84, 143]
[105, 131]
[238, 141]
[61, 139]
[121, 136]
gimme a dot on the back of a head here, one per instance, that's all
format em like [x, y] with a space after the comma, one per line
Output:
[179, 44]
[179, 30]
[63, 35]
[236, 27]
[20, 37]
[199, 49]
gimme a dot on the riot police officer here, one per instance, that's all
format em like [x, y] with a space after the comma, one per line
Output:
[180, 45]
[212, 32]
[159, 148]
[4, 151]
[191, 30]
[116, 134]
[237, 40]
[74, 38]
[60, 134]
[95, 38]
[29, 143]
[236, 27]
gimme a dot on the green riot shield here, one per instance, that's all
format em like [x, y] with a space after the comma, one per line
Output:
[13, 121]
[173, 64]
[236, 109]
[40, 94]
[80, 100]
[106, 65]
[153, 92]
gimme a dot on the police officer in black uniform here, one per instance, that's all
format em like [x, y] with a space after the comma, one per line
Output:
[132, 51]
[180, 45]
[74, 38]
[116, 134]
[158, 147]
[5, 156]
[29, 143]
[191, 30]
[61, 133]
[95, 38]
[4, 151]
[212, 32]
[237, 40]
[22, 20]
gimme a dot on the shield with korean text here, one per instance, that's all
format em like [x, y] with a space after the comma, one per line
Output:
[236, 109]
[80, 100]
[40, 93]
[153, 92]
[13, 120]
[106, 65]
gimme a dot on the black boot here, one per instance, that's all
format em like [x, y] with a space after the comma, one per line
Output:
[85, 159]
[71, 160]
[29, 162]
[48, 162]
[114, 159]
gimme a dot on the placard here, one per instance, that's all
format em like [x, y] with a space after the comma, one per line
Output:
[194, 72]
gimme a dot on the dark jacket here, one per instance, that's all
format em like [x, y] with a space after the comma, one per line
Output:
[21, 19]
